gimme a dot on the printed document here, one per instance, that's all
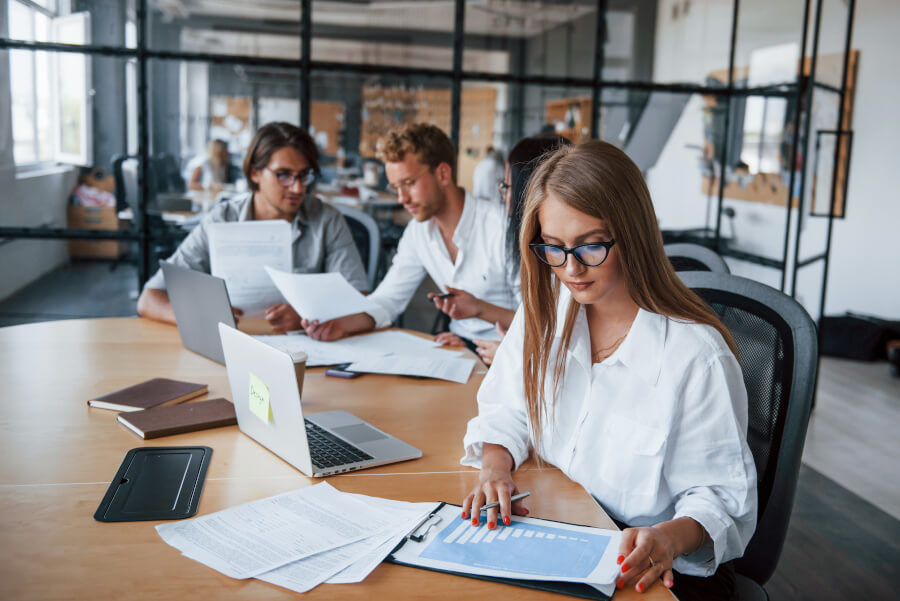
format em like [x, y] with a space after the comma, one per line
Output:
[320, 296]
[237, 253]
[453, 369]
[528, 549]
[257, 537]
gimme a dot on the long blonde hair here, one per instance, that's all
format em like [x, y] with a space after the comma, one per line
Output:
[599, 180]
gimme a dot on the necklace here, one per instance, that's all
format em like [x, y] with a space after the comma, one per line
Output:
[601, 354]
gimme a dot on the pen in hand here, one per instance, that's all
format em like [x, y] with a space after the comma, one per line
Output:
[512, 499]
[444, 295]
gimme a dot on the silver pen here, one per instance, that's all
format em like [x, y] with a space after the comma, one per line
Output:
[512, 499]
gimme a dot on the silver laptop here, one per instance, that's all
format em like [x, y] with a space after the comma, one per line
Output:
[200, 302]
[267, 402]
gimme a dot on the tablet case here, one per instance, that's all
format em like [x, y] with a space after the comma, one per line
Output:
[156, 483]
[574, 589]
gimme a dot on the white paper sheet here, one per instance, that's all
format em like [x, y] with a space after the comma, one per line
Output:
[353, 562]
[455, 370]
[320, 296]
[318, 352]
[237, 253]
[257, 537]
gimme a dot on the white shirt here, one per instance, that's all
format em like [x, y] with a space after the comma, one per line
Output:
[480, 268]
[655, 432]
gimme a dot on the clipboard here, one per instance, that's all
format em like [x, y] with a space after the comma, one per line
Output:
[420, 533]
[156, 483]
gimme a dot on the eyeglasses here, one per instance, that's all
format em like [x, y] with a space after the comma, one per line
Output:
[589, 255]
[503, 187]
[406, 184]
[287, 179]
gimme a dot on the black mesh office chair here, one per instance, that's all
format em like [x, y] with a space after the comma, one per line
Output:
[367, 237]
[777, 347]
[694, 257]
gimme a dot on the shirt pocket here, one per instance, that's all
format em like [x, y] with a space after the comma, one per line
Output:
[633, 454]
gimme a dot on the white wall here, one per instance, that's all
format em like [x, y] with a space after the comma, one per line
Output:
[33, 201]
[864, 275]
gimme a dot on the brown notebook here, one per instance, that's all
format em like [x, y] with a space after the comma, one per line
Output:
[158, 391]
[175, 419]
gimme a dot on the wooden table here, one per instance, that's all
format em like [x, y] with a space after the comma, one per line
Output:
[57, 457]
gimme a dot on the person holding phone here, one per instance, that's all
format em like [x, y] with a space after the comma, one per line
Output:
[455, 238]
[619, 375]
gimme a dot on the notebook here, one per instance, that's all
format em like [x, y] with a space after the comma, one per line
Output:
[269, 410]
[176, 419]
[158, 391]
[200, 302]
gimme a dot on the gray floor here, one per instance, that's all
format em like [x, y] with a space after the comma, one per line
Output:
[844, 536]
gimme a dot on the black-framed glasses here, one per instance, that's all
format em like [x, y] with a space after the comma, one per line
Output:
[589, 255]
[287, 178]
[503, 187]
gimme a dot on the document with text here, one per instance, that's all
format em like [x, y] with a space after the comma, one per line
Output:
[452, 369]
[238, 252]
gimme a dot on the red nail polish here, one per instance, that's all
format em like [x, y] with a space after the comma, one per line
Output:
[619, 559]
[668, 583]
[506, 520]
[620, 584]
[465, 515]
[624, 567]
[475, 521]
[640, 587]
[490, 525]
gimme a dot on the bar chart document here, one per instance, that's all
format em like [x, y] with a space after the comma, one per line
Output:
[527, 549]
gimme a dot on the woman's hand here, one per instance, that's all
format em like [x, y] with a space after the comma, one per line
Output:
[495, 483]
[326, 331]
[458, 305]
[488, 348]
[646, 554]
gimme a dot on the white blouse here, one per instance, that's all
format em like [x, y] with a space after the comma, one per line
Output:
[655, 432]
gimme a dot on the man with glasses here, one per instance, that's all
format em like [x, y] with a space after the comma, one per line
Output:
[280, 165]
[454, 237]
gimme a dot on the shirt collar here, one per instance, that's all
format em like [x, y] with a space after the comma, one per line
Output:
[311, 206]
[641, 351]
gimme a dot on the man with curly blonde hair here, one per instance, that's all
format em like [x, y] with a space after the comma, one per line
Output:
[454, 237]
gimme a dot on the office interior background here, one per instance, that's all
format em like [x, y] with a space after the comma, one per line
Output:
[791, 100]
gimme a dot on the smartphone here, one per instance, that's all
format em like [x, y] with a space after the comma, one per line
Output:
[340, 371]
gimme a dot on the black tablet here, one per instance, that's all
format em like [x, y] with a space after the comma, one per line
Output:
[156, 483]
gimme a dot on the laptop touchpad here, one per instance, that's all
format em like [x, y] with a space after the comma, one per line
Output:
[358, 433]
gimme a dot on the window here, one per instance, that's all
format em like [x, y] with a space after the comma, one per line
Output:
[49, 91]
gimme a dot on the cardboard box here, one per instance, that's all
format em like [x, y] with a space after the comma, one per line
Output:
[95, 218]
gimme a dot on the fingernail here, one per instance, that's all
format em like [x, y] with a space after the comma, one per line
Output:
[506, 520]
[640, 587]
[619, 559]
[490, 525]
[624, 567]
[474, 521]
[465, 515]
[620, 584]
[668, 583]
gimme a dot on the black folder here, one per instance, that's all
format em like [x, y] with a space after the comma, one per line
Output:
[574, 589]
[156, 483]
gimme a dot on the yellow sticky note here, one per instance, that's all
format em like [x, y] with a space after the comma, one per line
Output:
[259, 399]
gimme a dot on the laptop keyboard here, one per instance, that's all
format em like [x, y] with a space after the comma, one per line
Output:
[327, 450]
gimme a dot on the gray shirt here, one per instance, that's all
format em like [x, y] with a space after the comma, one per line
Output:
[321, 241]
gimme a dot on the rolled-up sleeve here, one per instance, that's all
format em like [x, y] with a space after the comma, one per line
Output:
[711, 471]
[502, 417]
[400, 283]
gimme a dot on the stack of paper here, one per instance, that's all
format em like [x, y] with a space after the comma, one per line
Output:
[298, 539]
[381, 352]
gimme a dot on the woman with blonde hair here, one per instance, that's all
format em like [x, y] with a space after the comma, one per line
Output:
[619, 375]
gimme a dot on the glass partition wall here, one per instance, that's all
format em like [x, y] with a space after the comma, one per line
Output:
[737, 113]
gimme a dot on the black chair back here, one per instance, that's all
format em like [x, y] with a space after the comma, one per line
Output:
[777, 350]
